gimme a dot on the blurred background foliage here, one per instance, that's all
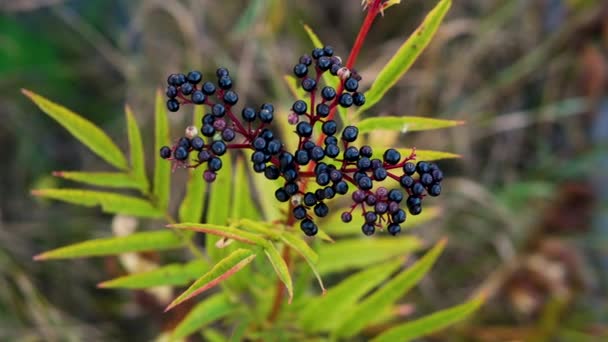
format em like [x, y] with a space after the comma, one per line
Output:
[525, 208]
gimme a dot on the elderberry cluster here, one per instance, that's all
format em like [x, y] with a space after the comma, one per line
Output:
[330, 159]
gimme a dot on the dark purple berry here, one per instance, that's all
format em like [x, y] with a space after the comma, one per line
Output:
[324, 63]
[323, 178]
[215, 164]
[300, 70]
[351, 84]
[165, 152]
[358, 99]
[208, 88]
[219, 124]
[299, 212]
[208, 130]
[426, 179]
[406, 181]
[365, 183]
[393, 207]
[359, 196]
[181, 153]
[409, 168]
[435, 190]
[317, 53]
[304, 129]
[323, 110]
[218, 148]
[380, 174]
[172, 105]
[198, 97]
[422, 167]
[345, 100]
[309, 84]
[225, 82]
[306, 60]
[398, 216]
[371, 199]
[299, 107]
[310, 199]
[209, 176]
[259, 143]
[370, 217]
[281, 195]
[395, 196]
[204, 156]
[350, 133]
[317, 153]
[248, 114]
[328, 93]
[341, 187]
[228, 134]
[292, 188]
[392, 156]
[437, 175]
[394, 229]
[171, 92]
[351, 154]
[194, 77]
[366, 151]
[381, 208]
[346, 217]
[187, 88]
[221, 72]
[417, 189]
[197, 143]
[272, 172]
[308, 227]
[321, 209]
[265, 116]
[231, 98]
[368, 229]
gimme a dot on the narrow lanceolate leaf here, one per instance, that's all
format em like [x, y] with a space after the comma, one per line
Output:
[105, 179]
[137, 242]
[406, 55]
[368, 252]
[136, 148]
[221, 271]
[258, 227]
[218, 210]
[280, 267]
[302, 248]
[383, 298]
[243, 205]
[223, 231]
[162, 168]
[109, 202]
[191, 208]
[339, 299]
[174, 275]
[207, 311]
[404, 124]
[432, 323]
[426, 155]
[82, 129]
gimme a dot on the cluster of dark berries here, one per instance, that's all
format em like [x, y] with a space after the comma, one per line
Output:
[330, 159]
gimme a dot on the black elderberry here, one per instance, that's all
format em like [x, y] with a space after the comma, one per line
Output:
[219, 124]
[309, 145]
[437, 175]
[395, 196]
[273, 147]
[329, 192]
[259, 167]
[324, 63]
[358, 99]
[398, 216]
[281, 195]
[290, 175]
[291, 188]
[218, 148]
[308, 227]
[257, 157]
[198, 97]
[406, 181]
[371, 199]
[392, 156]
[335, 68]
[376, 163]
[351, 154]
[171, 92]
[335, 176]
[380, 174]
[381, 207]
[304, 129]
[302, 157]
[413, 201]
[309, 84]
[394, 229]
[331, 140]
[184, 142]
[345, 100]
[393, 207]
[435, 190]
[197, 143]
[300, 70]
[359, 196]
[341, 187]
[366, 151]
[215, 164]
[323, 178]
[370, 217]
[194, 77]
[317, 153]
[265, 116]
[320, 194]
[321, 209]
[231, 98]
[317, 53]
[323, 110]
[259, 143]
[364, 163]
[329, 127]
[272, 172]
[426, 179]
[208, 88]
[306, 60]
[204, 156]
[208, 119]
[328, 50]
[382, 192]
[176, 79]
[351, 84]
[328, 93]
[321, 167]
[417, 189]
[173, 105]
[310, 199]
[220, 72]
[409, 168]
[165, 152]
[248, 114]
[218, 110]
[415, 210]
[228, 134]
[207, 130]
[423, 167]
[368, 229]
[346, 217]
[357, 175]
[299, 212]
[350, 133]
[187, 88]
[225, 82]
[299, 107]
[365, 183]
[268, 106]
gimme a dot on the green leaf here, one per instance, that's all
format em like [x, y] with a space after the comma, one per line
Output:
[280, 267]
[106, 179]
[173, 274]
[363, 252]
[191, 208]
[404, 124]
[218, 210]
[162, 168]
[221, 271]
[208, 310]
[243, 205]
[426, 155]
[340, 299]
[406, 55]
[294, 87]
[137, 242]
[109, 202]
[223, 231]
[334, 225]
[431, 323]
[374, 305]
[258, 227]
[82, 129]
[302, 248]
[136, 147]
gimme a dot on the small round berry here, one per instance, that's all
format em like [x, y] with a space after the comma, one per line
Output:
[248, 114]
[171, 92]
[329, 192]
[422, 167]
[409, 168]
[310, 199]
[187, 88]
[215, 164]
[274, 146]
[281, 195]
[435, 190]
[371, 199]
[358, 175]
[335, 176]
[308, 227]
[398, 216]
[321, 209]
[204, 156]
[413, 201]
[350, 133]
[208, 88]
[329, 127]
[437, 175]
[309, 84]
[426, 179]
[317, 153]
[345, 100]
[208, 130]
[351, 154]
[265, 116]
[286, 160]
[300, 70]
[259, 143]
[185, 142]
[221, 71]
[351, 84]
[370, 217]
[376, 163]
[194, 77]
[302, 157]
[406, 181]
[257, 157]
[323, 110]
[309, 145]
[197, 143]
[165, 152]
[380, 174]
[368, 229]
[328, 93]
[341, 187]
[306, 60]
[382, 192]
[219, 124]
[415, 210]
[335, 68]
[209, 176]
[394, 229]
[395, 196]
[228, 134]
[299, 107]
[176, 79]
[380, 208]
[393, 207]
[359, 196]
[328, 50]
[358, 99]
[272, 172]
[198, 97]
[332, 150]
[259, 167]
[364, 163]
[417, 189]
[324, 63]
[218, 110]
[225, 82]
[172, 105]
[218, 148]
[317, 53]
[331, 140]
[304, 129]
[322, 178]
[299, 212]
[231, 98]
[366, 151]
[267, 106]
[392, 156]
[292, 188]
[365, 183]
[321, 167]
[346, 217]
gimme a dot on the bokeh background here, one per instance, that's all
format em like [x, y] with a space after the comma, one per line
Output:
[525, 208]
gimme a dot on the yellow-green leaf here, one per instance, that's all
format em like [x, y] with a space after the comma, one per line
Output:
[173, 274]
[221, 271]
[105, 179]
[404, 124]
[243, 205]
[339, 299]
[162, 168]
[191, 208]
[302, 248]
[361, 252]
[137, 242]
[431, 323]
[109, 202]
[223, 231]
[218, 209]
[384, 297]
[208, 310]
[426, 155]
[280, 267]
[136, 148]
[82, 129]
[258, 227]
[407, 54]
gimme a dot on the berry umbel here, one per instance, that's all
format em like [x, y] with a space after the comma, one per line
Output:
[332, 160]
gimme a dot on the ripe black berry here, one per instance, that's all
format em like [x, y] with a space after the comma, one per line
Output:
[306, 60]
[309, 84]
[304, 129]
[368, 229]
[426, 179]
[392, 156]
[259, 167]
[366, 151]
[406, 181]
[329, 192]
[324, 63]
[345, 100]
[225, 82]
[204, 156]
[265, 116]
[364, 164]
[331, 140]
[417, 189]
[180, 153]
[198, 97]
[399, 216]
[208, 88]
[172, 105]
[341, 187]
[176, 79]
[299, 107]
[194, 77]
[165, 152]
[272, 172]
[300, 70]
[409, 168]
[437, 175]
[299, 212]
[394, 229]
[187, 88]
[291, 188]
[220, 72]
[228, 134]
[323, 178]
[415, 210]
[351, 84]
[207, 130]
[395, 195]
[351, 154]
[346, 217]
[218, 147]
[257, 157]
[310, 199]
[413, 201]
[435, 190]
[248, 114]
[328, 93]
[171, 92]
[359, 196]
[328, 50]
[274, 146]
[381, 208]
[323, 110]
[308, 227]
[215, 164]
[380, 174]
[197, 143]
[218, 110]
[365, 183]
[302, 157]
[321, 209]
[422, 167]
[281, 195]
[329, 127]
[231, 97]
[317, 53]
[358, 99]
[317, 153]
[350, 133]
[370, 217]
